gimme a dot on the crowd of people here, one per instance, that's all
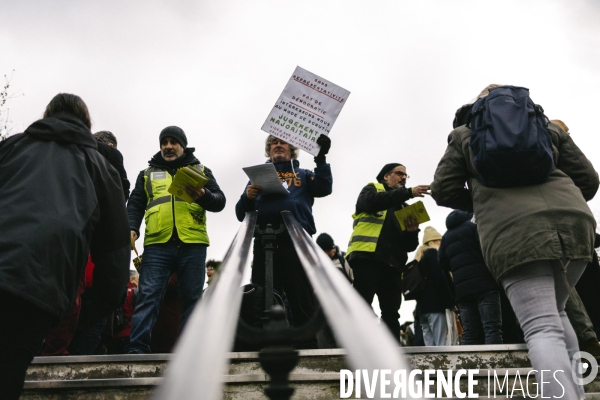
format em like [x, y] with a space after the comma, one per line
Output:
[508, 265]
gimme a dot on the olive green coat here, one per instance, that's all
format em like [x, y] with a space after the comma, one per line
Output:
[523, 224]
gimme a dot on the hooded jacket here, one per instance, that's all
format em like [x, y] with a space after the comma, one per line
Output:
[520, 225]
[115, 158]
[460, 253]
[213, 199]
[303, 187]
[437, 296]
[61, 200]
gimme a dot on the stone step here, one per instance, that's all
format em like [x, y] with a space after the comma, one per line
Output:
[317, 375]
[327, 360]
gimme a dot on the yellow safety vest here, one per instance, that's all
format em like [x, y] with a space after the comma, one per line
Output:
[367, 228]
[165, 211]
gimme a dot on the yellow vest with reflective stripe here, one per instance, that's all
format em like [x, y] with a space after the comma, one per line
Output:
[367, 228]
[165, 211]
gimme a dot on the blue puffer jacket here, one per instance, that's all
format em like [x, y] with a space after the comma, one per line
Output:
[303, 185]
[460, 252]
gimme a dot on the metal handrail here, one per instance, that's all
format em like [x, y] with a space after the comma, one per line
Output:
[369, 346]
[200, 358]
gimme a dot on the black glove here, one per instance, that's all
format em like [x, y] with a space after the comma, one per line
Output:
[325, 144]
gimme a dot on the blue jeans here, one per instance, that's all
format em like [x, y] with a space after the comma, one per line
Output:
[159, 261]
[481, 319]
[434, 327]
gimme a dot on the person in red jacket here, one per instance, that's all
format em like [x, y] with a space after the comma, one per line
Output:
[122, 318]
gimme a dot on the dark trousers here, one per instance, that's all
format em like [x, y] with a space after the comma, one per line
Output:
[373, 277]
[117, 345]
[88, 336]
[587, 288]
[288, 278]
[511, 330]
[579, 318]
[61, 335]
[23, 327]
[481, 318]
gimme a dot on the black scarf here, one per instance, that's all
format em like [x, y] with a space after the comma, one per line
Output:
[187, 158]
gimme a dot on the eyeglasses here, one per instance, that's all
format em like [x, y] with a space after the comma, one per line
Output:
[210, 267]
[400, 174]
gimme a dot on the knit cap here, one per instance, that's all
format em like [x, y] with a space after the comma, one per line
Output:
[176, 133]
[325, 242]
[387, 168]
[430, 235]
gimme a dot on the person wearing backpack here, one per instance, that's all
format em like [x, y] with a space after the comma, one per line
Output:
[433, 301]
[536, 235]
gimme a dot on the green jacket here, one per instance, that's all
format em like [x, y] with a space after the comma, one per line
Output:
[523, 224]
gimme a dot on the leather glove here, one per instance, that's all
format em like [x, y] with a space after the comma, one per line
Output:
[325, 144]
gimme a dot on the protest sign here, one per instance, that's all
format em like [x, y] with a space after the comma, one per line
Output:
[307, 108]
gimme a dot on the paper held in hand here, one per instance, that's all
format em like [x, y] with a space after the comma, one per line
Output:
[187, 175]
[307, 108]
[416, 209]
[266, 176]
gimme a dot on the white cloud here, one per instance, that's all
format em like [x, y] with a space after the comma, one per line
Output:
[216, 68]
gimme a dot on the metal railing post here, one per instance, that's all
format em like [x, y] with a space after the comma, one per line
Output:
[278, 360]
[269, 240]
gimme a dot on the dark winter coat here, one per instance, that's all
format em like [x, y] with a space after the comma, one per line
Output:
[115, 158]
[213, 199]
[393, 244]
[339, 260]
[437, 296]
[460, 253]
[60, 199]
[519, 225]
[303, 185]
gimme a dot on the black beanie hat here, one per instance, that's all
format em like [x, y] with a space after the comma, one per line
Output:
[176, 133]
[325, 242]
[387, 168]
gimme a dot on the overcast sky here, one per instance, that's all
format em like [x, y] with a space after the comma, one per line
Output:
[215, 69]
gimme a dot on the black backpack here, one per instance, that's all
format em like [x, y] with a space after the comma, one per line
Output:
[510, 140]
[414, 281]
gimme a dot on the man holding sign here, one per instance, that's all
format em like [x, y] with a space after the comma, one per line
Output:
[378, 248]
[303, 186]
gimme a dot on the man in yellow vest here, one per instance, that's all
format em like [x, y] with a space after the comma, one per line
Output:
[378, 248]
[175, 239]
